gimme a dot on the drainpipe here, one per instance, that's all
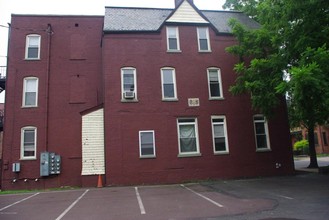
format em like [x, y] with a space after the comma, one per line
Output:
[50, 33]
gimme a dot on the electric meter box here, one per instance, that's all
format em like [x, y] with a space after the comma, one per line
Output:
[50, 164]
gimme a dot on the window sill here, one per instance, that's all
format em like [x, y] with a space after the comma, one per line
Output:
[190, 155]
[204, 51]
[174, 51]
[129, 100]
[34, 158]
[170, 100]
[32, 59]
[216, 98]
[27, 107]
[221, 153]
[147, 157]
[263, 150]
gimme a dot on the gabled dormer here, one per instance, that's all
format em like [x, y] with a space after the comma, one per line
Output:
[186, 12]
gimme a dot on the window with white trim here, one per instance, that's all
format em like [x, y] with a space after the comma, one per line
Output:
[128, 84]
[214, 83]
[219, 134]
[261, 133]
[32, 49]
[188, 140]
[173, 39]
[30, 92]
[146, 144]
[168, 79]
[203, 39]
[28, 142]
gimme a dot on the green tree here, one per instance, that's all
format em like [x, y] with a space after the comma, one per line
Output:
[287, 56]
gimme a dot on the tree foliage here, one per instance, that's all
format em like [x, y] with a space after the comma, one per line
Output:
[287, 55]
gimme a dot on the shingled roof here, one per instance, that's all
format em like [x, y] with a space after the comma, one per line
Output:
[119, 19]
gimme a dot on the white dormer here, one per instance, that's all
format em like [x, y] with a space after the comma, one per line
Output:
[185, 13]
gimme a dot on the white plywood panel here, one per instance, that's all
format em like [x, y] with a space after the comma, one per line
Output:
[187, 14]
[93, 159]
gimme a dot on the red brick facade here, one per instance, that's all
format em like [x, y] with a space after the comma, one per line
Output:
[79, 69]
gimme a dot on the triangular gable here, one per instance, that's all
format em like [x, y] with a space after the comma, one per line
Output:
[186, 13]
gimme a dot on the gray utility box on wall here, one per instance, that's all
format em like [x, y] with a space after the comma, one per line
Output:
[50, 164]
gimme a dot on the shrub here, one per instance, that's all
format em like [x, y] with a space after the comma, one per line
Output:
[301, 146]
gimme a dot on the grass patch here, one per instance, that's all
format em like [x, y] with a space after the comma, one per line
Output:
[6, 192]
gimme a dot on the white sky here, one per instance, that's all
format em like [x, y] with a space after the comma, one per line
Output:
[77, 7]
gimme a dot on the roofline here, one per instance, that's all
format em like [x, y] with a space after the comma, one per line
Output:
[54, 15]
[122, 7]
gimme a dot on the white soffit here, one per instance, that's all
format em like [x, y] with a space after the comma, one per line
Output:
[186, 14]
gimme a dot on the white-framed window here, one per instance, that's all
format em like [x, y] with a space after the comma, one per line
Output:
[219, 134]
[188, 138]
[32, 49]
[30, 92]
[128, 84]
[146, 144]
[168, 83]
[215, 83]
[261, 133]
[203, 39]
[173, 39]
[28, 142]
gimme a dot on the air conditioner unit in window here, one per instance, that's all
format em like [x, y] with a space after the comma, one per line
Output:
[129, 95]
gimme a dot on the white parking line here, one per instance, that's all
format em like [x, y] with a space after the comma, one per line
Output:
[18, 202]
[140, 202]
[202, 196]
[286, 197]
[71, 206]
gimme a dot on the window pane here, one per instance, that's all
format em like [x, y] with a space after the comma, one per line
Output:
[220, 144]
[202, 33]
[31, 85]
[203, 44]
[167, 76]
[261, 141]
[34, 41]
[30, 99]
[219, 130]
[33, 52]
[147, 143]
[214, 89]
[28, 143]
[173, 43]
[169, 91]
[260, 128]
[187, 138]
[128, 82]
[172, 32]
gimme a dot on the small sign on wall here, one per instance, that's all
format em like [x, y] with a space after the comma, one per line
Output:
[193, 102]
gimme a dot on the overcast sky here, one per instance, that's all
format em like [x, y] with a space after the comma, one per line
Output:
[77, 7]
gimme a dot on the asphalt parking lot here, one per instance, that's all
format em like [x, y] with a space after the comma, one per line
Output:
[303, 196]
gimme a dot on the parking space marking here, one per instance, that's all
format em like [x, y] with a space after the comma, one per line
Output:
[202, 196]
[286, 197]
[140, 202]
[15, 203]
[72, 205]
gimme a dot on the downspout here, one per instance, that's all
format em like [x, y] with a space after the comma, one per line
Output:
[50, 33]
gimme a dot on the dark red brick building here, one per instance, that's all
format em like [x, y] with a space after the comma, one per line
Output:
[139, 96]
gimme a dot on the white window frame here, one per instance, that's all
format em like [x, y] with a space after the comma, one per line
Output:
[207, 37]
[174, 82]
[219, 76]
[177, 38]
[213, 123]
[22, 143]
[140, 144]
[27, 46]
[122, 84]
[264, 121]
[25, 91]
[188, 121]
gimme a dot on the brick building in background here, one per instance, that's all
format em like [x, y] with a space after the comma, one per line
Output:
[139, 96]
